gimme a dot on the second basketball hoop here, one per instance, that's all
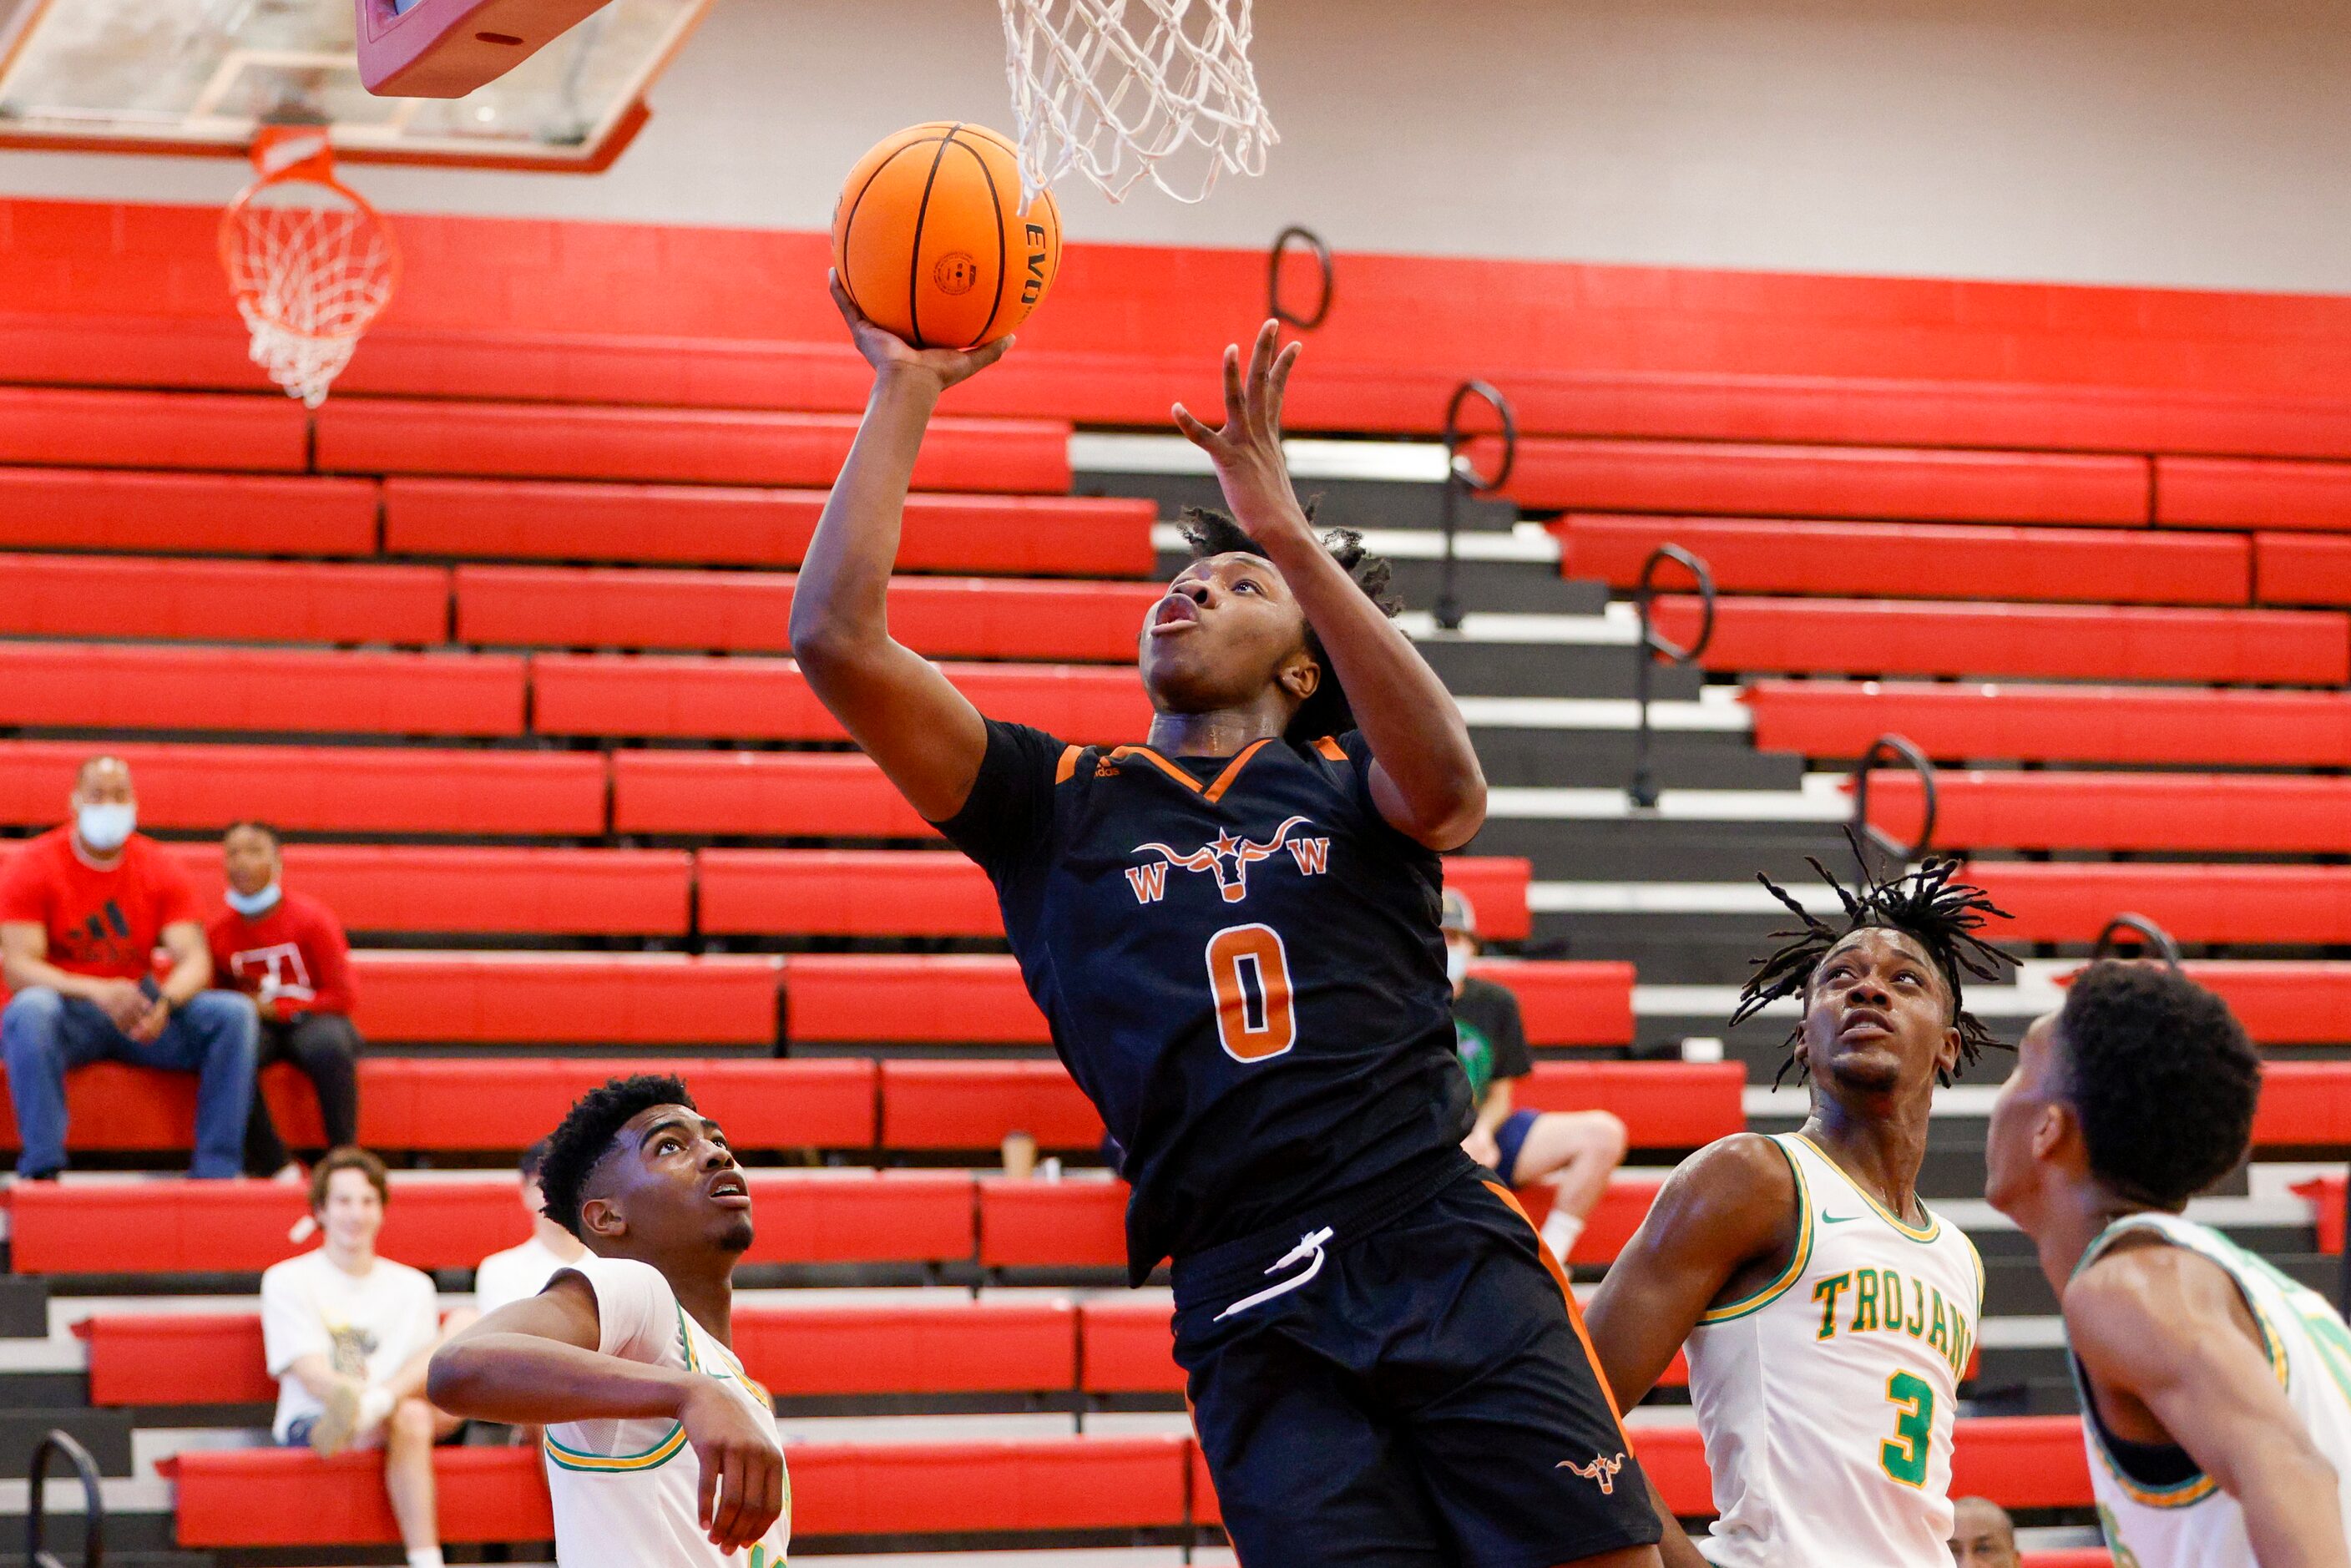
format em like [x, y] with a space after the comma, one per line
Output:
[310, 263]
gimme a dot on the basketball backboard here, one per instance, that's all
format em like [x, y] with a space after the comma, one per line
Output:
[201, 76]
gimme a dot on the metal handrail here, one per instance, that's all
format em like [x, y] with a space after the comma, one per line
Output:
[93, 1545]
[1461, 474]
[1322, 253]
[1651, 646]
[2154, 939]
[1892, 748]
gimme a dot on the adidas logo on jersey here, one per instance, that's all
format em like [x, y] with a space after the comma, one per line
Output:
[1228, 859]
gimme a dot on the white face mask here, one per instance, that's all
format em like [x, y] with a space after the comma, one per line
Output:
[1456, 965]
[105, 827]
[259, 902]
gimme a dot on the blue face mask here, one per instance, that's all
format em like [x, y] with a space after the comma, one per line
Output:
[259, 902]
[105, 827]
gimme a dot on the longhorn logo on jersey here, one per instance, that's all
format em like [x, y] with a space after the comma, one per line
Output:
[1602, 1469]
[1228, 859]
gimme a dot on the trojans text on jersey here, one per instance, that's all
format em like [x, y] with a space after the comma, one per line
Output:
[1228, 859]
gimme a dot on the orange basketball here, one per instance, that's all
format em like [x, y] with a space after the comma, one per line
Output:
[930, 241]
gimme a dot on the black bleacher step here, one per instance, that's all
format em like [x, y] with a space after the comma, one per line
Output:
[1338, 503]
[1650, 849]
[1515, 758]
[24, 1307]
[105, 1433]
[1548, 669]
[1666, 949]
[130, 1538]
[69, 1553]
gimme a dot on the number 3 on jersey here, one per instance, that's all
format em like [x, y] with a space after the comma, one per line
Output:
[1903, 1455]
[1249, 974]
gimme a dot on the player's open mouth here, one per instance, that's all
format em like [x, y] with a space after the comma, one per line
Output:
[1176, 612]
[1865, 1023]
[729, 1190]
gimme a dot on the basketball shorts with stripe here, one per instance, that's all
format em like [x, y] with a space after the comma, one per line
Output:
[1419, 1391]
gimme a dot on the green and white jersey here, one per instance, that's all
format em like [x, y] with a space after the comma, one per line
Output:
[1826, 1398]
[625, 1491]
[2185, 1520]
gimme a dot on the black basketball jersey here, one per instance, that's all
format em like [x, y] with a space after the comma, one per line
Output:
[1240, 961]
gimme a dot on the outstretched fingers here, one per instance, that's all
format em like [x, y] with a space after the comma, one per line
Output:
[1199, 434]
[1278, 387]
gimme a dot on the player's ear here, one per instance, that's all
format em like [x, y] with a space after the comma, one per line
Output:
[2053, 1129]
[1299, 676]
[601, 1216]
[1947, 1060]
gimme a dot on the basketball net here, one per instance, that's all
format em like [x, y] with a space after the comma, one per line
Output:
[1118, 88]
[310, 263]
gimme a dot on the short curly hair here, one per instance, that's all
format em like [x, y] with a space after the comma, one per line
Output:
[2162, 1077]
[1212, 533]
[578, 1144]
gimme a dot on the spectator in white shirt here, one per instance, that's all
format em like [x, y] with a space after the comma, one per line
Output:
[348, 1335]
[524, 1271]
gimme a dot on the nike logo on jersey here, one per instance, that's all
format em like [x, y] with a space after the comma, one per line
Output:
[1602, 1469]
[1228, 859]
[1827, 1218]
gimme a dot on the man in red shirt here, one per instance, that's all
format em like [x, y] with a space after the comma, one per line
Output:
[287, 951]
[82, 909]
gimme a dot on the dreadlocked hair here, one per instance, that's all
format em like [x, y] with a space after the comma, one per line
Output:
[1942, 915]
[1211, 533]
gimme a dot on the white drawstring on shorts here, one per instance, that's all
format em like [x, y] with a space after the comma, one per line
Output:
[1310, 1245]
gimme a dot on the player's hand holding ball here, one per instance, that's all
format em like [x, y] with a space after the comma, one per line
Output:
[890, 354]
[1247, 450]
[742, 1487]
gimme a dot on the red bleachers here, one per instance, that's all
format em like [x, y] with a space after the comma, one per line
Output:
[1663, 1104]
[438, 1103]
[241, 1226]
[1790, 481]
[79, 685]
[955, 617]
[235, 514]
[317, 788]
[222, 601]
[778, 794]
[766, 699]
[2284, 1003]
[1901, 560]
[974, 1105]
[2069, 643]
[566, 998]
[2056, 724]
[870, 892]
[2251, 493]
[542, 441]
[554, 891]
[2258, 904]
[2303, 1105]
[979, 999]
[2302, 569]
[151, 430]
[2232, 812]
[287, 1496]
[1030, 536]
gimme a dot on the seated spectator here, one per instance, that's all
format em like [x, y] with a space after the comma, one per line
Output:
[82, 910]
[348, 1335]
[1982, 1535]
[522, 1271]
[1575, 1150]
[287, 951]
[519, 1271]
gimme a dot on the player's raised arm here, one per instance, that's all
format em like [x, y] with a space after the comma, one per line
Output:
[1425, 773]
[910, 719]
[2165, 1332]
